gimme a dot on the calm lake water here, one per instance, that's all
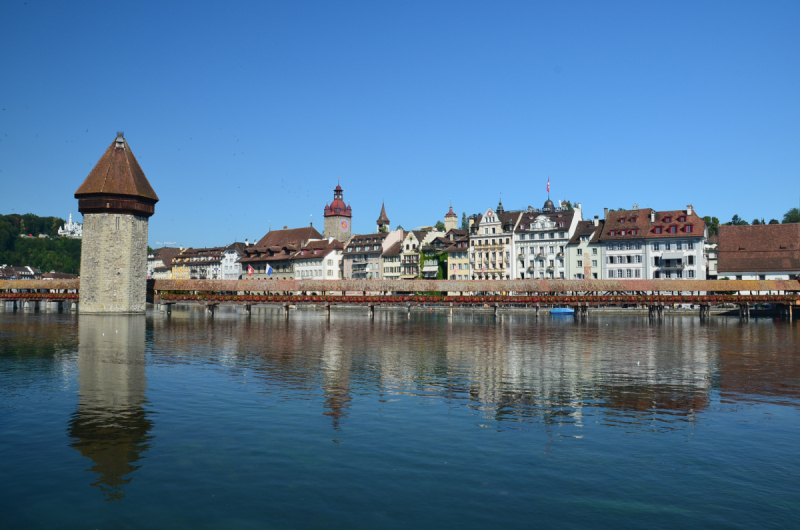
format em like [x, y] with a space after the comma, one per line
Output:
[185, 422]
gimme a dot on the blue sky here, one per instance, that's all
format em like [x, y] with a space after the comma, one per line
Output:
[243, 114]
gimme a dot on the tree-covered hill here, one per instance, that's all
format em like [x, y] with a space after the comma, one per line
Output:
[59, 254]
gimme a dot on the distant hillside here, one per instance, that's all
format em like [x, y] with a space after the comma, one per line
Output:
[60, 254]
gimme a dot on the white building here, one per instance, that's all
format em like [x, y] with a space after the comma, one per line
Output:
[492, 243]
[71, 230]
[319, 259]
[231, 268]
[584, 251]
[540, 241]
[644, 243]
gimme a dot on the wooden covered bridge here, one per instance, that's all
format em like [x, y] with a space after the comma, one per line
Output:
[577, 294]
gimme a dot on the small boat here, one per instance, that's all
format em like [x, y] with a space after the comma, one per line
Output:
[562, 311]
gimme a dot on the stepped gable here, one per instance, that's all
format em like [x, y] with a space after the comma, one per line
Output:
[117, 184]
[759, 248]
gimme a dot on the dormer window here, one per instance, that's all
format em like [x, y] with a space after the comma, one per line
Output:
[667, 219]
[657, 230]
[622, 232]
[682, 219]
[621, 219]
[688, 229]
[633, 219]
[673, 229]
[612, 233]
[634, 232]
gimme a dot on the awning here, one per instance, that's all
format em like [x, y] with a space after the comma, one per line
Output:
[672, 255]
[430, 268]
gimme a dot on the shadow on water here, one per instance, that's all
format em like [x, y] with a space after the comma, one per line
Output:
[111, 425]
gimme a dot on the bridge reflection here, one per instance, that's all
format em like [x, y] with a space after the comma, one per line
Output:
[111, 426]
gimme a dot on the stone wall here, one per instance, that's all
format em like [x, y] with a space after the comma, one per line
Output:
[333, 228]
[113, 263]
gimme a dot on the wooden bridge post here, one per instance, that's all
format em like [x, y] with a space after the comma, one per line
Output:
[537, 310]
[371, 312]
[495, 309]
[408, 308]
[210, 310]
[328, 310]
[286, 310]
[248, 309]
[451, 309]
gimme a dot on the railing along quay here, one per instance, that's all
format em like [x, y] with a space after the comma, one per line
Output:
[576, 294]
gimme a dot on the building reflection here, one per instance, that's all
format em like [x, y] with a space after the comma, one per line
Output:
[111, 425]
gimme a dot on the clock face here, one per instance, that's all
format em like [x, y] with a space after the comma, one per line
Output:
[343, 224]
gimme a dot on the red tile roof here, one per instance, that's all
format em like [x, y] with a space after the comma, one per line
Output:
[636, 224]
[291, 236]
[759, 248]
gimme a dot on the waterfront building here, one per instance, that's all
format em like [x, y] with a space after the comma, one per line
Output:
[391, 261]
[410, 252]
[433, 258]
[116, 201]
[271, 256]
[759, 252]
[710, 248]
[584, 251]
[645, 243]
[231, 268]
[71, 230]
[540, 241]
[338, 217]
[161, 259]
[458, 258]
[362, 254]
[450, 219]
[319, 260]
[491, 244]
[198, 264]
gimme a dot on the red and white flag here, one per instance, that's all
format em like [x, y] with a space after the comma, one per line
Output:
[548, 184]
[249, 270]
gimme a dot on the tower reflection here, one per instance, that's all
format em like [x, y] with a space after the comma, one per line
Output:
[111, 426]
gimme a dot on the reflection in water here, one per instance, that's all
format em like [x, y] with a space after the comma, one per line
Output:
[110, 426]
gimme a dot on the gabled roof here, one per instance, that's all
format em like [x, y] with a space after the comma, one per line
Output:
[556, 217]
[318, 249]
[290, 236]
[117, 173]
[586, 228]
[759, 248]
[237, 247]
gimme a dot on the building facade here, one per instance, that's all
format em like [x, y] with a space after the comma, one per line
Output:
[540, 241]
[584, 251]
[491, 244]
[198, 264]
[650, 244]
[271, 256]
[759, 252]
[231, 268]
[319, 260]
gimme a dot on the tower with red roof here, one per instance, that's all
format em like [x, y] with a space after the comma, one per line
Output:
[338, 217]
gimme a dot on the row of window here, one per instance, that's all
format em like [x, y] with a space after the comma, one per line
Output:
[551, 235]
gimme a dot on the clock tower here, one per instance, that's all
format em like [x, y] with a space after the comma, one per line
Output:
[338, 217]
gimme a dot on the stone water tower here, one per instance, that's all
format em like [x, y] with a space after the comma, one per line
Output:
[116, 201]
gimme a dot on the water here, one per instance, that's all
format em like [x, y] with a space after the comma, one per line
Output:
[184, 422]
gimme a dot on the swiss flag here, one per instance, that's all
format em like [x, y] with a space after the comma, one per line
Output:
[249, 270]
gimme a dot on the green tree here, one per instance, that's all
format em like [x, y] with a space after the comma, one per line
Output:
[738, 221]
[755, 222]
[713, 225]
[399, 227]
[440, 226]
[464, 221]
[774, 222]
[792, 216]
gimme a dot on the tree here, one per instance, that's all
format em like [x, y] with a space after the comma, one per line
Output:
[774, 222]
[399, 227]
[464, 221]
[440, 226]
[566, 205]
[792, 216]
[755, 222]
[738, 221]
[713, 225]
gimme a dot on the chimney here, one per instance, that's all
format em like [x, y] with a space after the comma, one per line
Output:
[605, 213]
[181, 248]
[284, 227]
[596, 220]
[578, 207]
[635, 206]
[652, 216]
[246, 242]
[689, 209]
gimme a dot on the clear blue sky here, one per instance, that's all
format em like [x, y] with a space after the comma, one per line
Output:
[245, 113]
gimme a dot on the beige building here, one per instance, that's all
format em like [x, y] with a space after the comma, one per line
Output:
[491, 244]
